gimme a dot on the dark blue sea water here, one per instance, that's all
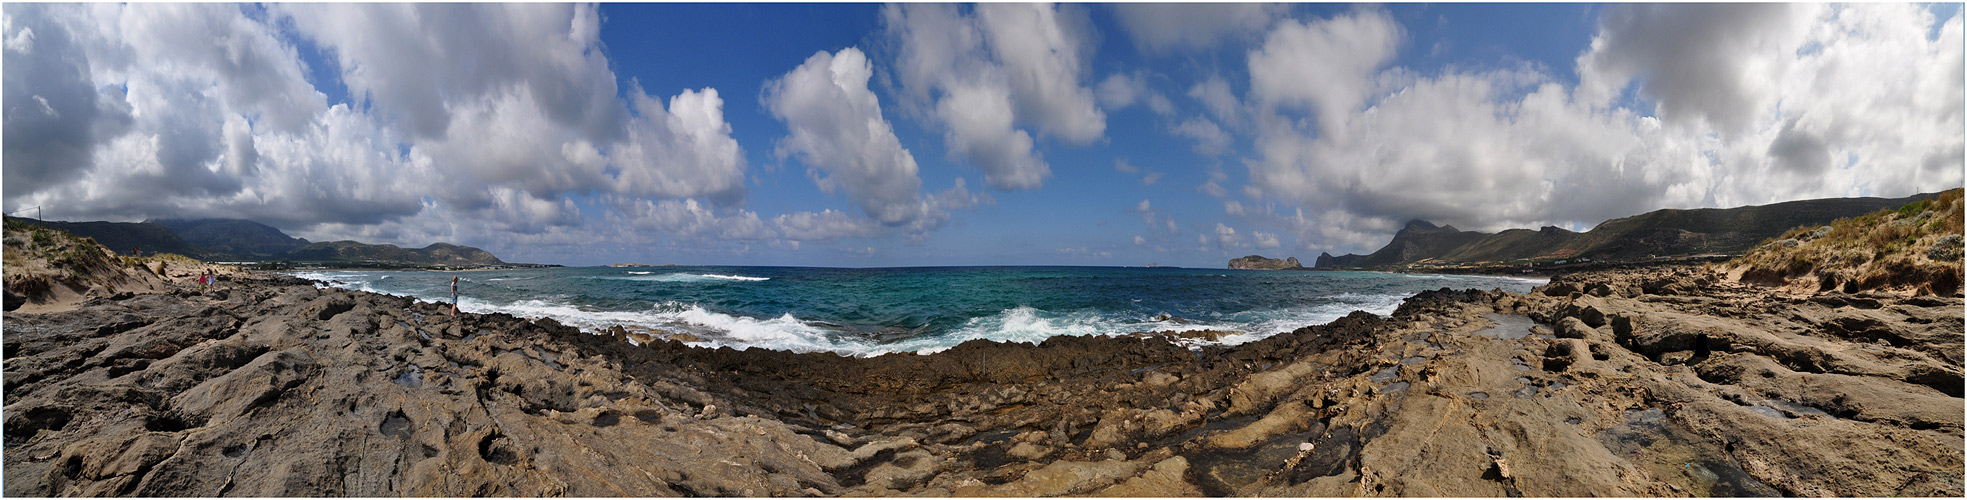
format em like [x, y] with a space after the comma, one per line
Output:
[873, 311]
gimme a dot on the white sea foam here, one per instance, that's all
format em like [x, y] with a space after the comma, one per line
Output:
[681, 277]
[734, 277]
[785, 332]
[1027, 324]
[790, 333]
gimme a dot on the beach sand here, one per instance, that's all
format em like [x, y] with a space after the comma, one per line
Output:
[1655, 382]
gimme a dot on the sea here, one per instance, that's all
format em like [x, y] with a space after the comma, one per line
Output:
[873, 311]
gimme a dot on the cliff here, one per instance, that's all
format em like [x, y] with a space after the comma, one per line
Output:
[1327, 261]
[1660, 233]
[1259, 262]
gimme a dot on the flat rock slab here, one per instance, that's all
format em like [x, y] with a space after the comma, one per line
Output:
[1682, 385]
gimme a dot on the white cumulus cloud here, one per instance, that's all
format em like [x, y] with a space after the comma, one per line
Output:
[1163, 26]
[987, 77]
[836, 126]
[1324, 65]
[1799, 102]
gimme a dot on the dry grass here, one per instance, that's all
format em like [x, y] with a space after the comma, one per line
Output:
[1916, 248]
[38, 258]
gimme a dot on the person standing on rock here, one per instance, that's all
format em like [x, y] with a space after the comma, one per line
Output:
[454, 295]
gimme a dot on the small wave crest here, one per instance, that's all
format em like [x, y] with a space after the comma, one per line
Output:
[1028, 324]
[785, 332]
[683, 277]
[733, 277]
[791, 333]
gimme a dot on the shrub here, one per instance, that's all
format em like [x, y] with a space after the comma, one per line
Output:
[1947, 249]
[1916, 246]
[1909, 209]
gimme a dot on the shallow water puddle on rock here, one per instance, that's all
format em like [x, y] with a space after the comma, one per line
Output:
[995, 451]
[548, 357]
[1384, 375]
[1785, 410]
[1412, 360]
[1224, 473]
[1213, 426]
[1508, 326]
[992, 437]
[412, 378]
[396, 425]
[1526, 392]
[406, 326]
[1394, 387]
[1656, 444]
[1767, 411]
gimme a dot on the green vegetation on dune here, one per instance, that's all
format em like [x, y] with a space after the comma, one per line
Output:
[1916, 246]
[39, 257]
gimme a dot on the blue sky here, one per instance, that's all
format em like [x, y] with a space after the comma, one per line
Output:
[938, 134]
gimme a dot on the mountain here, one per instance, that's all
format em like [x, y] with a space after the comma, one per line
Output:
[238, 237]
[1259, 262]
[1660, 233]
[124, 237]
[1327, 261]
[440, 254]
[1419, 241]
[235, 239]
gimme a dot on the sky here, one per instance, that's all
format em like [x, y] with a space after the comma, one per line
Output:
[864, 135]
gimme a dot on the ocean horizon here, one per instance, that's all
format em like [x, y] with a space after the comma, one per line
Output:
[872, 311]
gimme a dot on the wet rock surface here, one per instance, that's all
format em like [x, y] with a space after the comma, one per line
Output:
[1658, 382]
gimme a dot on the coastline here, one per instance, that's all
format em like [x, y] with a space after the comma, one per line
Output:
[276, 387]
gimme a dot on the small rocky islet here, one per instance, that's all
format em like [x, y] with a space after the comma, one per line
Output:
[1671, 381]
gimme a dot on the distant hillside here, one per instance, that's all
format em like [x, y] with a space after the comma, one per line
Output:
[1419, 241]
[236, 237]
[124, 237]
[1326, 260]
[1259, 262]
[438, 254]
[1659, 233]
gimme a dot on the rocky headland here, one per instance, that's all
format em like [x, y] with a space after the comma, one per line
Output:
[1657, 382]
[1648, 239]
[1262, 263]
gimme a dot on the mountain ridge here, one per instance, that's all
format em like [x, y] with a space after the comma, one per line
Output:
[240, 239]
[1662, 233]
[236, 237]
[1655, 234]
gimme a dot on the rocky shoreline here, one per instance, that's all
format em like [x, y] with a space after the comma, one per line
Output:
[1649, 382]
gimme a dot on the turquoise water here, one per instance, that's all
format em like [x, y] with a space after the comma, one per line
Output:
[880, 310]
